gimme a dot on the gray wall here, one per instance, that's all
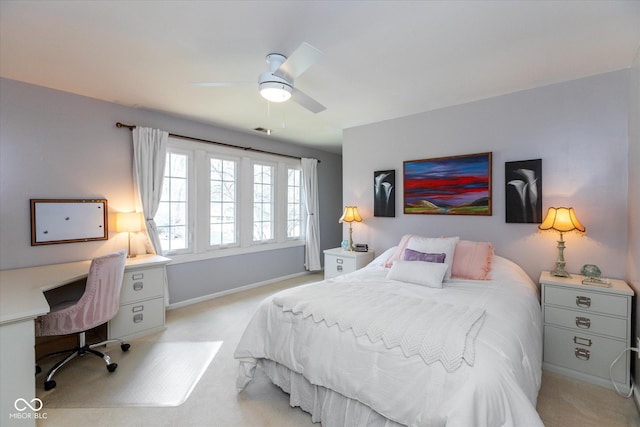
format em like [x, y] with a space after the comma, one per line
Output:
[633, 253]
[60, 145]
[579, 130]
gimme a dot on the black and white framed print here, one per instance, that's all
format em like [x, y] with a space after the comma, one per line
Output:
[384, 191]
[523, 192]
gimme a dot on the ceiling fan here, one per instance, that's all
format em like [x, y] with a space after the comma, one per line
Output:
[276, 85]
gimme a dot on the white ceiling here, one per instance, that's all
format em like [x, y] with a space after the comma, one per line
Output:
[382, 59]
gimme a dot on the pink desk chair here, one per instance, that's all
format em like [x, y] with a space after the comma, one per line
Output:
[98, 304]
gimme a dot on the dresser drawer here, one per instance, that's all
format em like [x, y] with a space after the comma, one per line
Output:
[337, 265]
[587, 301]
[590, 354]
[136, 317]
[586, 322]
[142, 284]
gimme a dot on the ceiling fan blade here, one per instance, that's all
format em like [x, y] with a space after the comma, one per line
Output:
[306, 101]
[298, 62]
[222, 84]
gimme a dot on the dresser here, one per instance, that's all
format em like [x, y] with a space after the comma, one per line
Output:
[585, 328]
[141, 298]
[337, 261]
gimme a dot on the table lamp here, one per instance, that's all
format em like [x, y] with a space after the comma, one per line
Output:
[350, 215]
[128, 222]
[561, 220]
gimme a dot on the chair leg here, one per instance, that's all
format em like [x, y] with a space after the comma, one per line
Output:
[81, 350]
[48, 382]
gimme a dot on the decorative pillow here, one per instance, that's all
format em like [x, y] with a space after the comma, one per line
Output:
[411, 255]
[421, 273]
[399, 253]
[446, 245]
[472, 260]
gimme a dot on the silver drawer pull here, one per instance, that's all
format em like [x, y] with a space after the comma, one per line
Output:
[137, 286]
[339, 268]
[137, 308]
[583, 322]
[582, 341]
[138, 318]
[583, 301]
[339, 261]
[137, 276]
[582, 353]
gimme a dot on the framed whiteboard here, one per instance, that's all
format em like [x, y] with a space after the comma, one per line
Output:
[68, 220]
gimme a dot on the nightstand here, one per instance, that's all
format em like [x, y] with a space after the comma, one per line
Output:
[338, 261]
[586, 328]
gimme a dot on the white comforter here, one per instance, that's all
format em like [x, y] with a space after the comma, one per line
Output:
[500, 389]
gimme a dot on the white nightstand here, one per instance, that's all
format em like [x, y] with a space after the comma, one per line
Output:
[586, 328]
[338, 261]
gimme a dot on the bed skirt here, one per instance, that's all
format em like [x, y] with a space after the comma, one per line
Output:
[325, 406]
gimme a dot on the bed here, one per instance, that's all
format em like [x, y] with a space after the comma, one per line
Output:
[392, 344]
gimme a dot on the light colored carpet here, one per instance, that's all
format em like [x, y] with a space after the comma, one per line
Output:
[152, 374]
[215, 401]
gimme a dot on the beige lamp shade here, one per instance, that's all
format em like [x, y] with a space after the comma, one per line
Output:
[350, 215]
[128, 222]
[562, 220]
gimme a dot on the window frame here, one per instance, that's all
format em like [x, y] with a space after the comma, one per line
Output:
[199, 205]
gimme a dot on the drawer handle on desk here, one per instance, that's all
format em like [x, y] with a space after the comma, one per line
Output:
[583, 322]
[582, 341]
[583, 301]
[138, 318]
[137, 286]
[137, 308]
[339, 268]
[582, 353]
[339, 261]
[137, 276]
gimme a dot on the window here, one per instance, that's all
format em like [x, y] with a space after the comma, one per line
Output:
[294, 206]
[222, 209]
[263, 212]
[217, 201]
[172, 214]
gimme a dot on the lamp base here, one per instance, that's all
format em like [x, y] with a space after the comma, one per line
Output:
[560, 273]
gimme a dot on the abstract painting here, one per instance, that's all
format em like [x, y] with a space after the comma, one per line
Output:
[457, 185]
[523, 192]
[384, 193]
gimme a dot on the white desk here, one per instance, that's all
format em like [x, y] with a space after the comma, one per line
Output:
[21, 301]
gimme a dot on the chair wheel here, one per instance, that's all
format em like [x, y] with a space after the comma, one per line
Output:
[112, 367]
[48, 385]
[38, 369]
[125, 346]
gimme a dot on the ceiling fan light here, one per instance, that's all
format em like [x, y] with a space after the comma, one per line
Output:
[275, 92]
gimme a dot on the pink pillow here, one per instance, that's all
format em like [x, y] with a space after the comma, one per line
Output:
[472, 260]
[399, 253]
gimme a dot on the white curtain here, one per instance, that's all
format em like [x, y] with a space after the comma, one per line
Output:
[310, 187]
[149, 155]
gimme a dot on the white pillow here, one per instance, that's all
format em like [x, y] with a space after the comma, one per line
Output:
[418, 272]
[446, 245]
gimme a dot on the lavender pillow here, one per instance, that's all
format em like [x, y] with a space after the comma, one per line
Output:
[411, 255]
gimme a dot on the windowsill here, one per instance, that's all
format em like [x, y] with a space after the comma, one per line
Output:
[221, 253]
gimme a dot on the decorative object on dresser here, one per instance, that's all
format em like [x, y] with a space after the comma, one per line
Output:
[523, 191]
[587, 330]
[562, 220]
[384, 193]
[350, 215]
[338, 261]
[128, 223]
[456, 185]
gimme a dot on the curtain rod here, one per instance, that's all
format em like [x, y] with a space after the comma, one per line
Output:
[239, 147]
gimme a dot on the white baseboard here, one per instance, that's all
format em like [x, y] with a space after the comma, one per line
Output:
[234, 290]
[636, 394]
